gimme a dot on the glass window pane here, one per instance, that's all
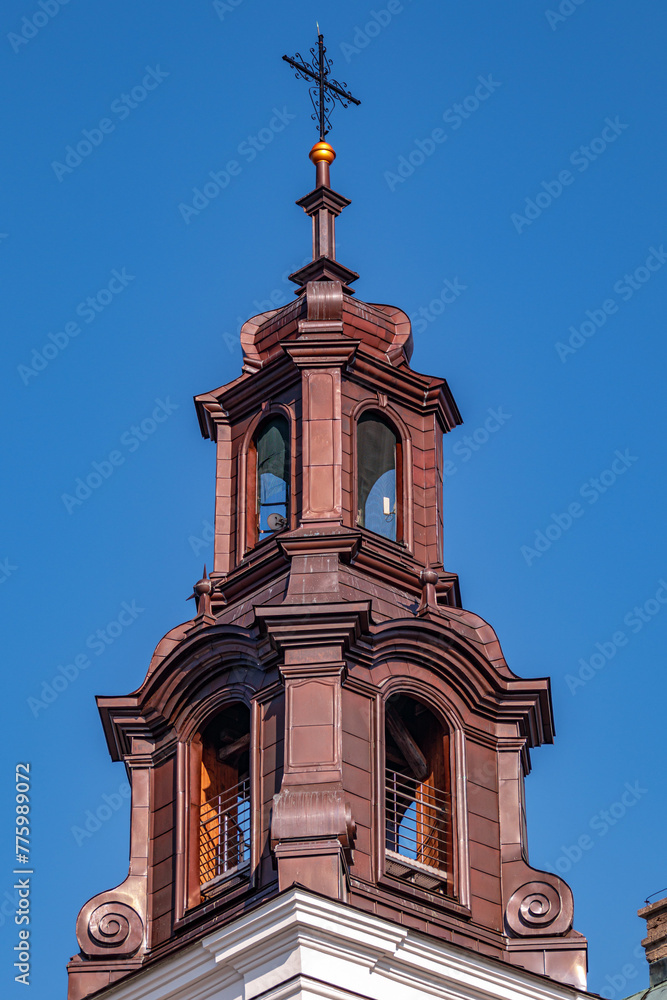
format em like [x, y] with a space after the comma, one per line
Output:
[376, 473]
[272, 472]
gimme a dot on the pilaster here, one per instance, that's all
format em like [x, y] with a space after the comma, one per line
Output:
[312, 828]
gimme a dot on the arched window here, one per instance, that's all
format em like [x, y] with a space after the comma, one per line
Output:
[379, 477]
[268, 480]
[224, 811]
[418, 814]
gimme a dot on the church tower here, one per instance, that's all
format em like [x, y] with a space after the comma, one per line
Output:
[327, 761]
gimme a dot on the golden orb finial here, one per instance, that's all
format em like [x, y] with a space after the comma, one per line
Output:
[322, 155]
[322, 151]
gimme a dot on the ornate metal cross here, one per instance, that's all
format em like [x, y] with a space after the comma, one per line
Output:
[324, 92]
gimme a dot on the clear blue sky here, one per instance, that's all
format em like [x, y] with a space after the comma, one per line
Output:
[567, 127]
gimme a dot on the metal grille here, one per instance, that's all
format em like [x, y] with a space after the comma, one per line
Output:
[416, 819]
[224, 832]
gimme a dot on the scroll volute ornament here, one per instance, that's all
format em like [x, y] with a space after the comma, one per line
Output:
[536, 909]
[110, 928]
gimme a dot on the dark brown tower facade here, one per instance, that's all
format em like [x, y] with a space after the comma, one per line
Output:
[331, 718]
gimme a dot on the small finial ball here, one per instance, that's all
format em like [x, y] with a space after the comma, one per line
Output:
[203, 587]
[322, 151]
[428, 576]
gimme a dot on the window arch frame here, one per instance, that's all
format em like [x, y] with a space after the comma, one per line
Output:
[248, 534]
[387, 415]
[457, 895]
[224, 828]
[188, 765]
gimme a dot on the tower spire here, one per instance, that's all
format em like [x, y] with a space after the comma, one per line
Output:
[322, 204]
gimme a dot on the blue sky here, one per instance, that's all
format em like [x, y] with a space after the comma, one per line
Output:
[526, 237]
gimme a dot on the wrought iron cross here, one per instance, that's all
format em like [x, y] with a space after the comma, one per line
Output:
[324, 92]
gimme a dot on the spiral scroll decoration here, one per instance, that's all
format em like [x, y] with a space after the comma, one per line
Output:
[113, 929]
[533, 907]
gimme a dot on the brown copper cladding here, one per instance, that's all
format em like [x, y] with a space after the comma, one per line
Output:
[368, 695]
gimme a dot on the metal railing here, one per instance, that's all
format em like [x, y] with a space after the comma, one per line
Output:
[224, 832]
[417, 819]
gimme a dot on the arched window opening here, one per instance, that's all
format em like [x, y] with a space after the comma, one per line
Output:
[417, 795]
[224, 812]
[379, 478]
[269, 478]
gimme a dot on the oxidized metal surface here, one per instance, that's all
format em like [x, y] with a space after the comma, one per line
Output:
[314, 629]
[112, 929]
[536, 907]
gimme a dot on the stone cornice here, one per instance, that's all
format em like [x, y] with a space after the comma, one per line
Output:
[302, 945]
[420, 393]
[312, 624]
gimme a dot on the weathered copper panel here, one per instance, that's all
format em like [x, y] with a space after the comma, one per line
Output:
[482, 801]
[162, 848]
[313, 746]
[358, 782]
[162, 901]
[321, 442]
[273, 722]
[311, 701]
[485, 886]
[357, 751]
[483, 831]
[321, 396]
[485, 859]
[361, 805]
[356, 714]
[163, 820]
[162, 874]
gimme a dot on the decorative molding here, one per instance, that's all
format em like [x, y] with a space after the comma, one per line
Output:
[300, 946]
[109, 926]
[323, 268]
[113, 929]
[312, 814]
[296, 625]
[325, 351]
[324, 301]
[538, 908]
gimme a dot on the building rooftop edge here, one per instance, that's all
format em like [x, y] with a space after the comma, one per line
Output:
[300, 934]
